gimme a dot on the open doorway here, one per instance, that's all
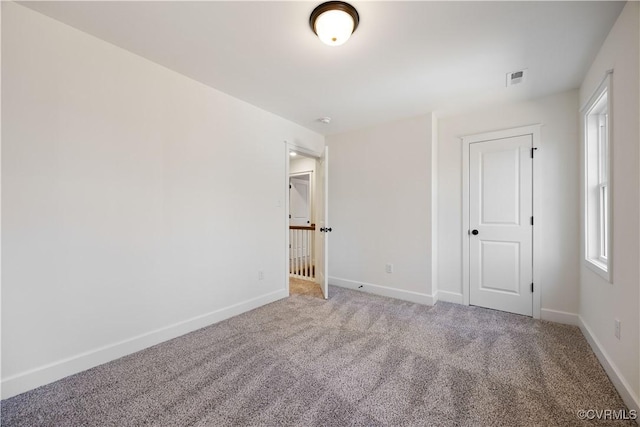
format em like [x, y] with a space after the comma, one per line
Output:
[309, 171]
[302, 226]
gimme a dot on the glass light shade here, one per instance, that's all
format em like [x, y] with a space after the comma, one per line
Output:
[334, 27]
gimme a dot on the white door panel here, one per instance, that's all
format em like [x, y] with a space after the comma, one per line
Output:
[299, 202]
[500, 210]
[499, 266]
[322, 238]
[499, 196]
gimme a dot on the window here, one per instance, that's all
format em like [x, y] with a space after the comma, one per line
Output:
[597, 139]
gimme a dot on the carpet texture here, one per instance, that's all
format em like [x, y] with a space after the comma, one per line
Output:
[304, 287]
[355, 359]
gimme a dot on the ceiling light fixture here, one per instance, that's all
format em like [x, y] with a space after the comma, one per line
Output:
[334, 22]
[293, 153]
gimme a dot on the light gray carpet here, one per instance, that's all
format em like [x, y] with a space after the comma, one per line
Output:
[355, 359]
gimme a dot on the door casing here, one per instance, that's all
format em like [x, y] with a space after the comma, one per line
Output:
[534, 131]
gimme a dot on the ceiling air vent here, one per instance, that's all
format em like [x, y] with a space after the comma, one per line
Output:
[516, 77]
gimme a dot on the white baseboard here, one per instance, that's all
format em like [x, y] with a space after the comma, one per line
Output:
[559, 317]
[46, 374]
[384, 291]
[625, 390]
[453, 297]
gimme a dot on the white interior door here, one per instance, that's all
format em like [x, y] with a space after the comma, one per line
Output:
[500, 224]
[322, 235]
[299, 201]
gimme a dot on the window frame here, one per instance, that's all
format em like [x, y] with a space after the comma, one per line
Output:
[597, 183]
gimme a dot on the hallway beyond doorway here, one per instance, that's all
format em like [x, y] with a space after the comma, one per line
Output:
[304, 287]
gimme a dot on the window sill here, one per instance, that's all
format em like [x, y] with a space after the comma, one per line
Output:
[598, 267]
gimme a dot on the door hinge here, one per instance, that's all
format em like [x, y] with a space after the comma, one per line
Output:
[532, 287]
[289, 186]
[531, 220]
[532, 150]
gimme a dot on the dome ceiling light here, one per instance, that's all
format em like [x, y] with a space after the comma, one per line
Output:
[334, 22]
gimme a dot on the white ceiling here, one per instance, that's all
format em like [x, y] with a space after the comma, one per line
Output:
[405, 59]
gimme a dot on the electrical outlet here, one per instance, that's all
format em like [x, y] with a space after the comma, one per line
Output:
[260, 275]
[388, 268]
[616, 328]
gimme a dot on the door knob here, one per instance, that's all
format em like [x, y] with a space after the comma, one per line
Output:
[474, 232]
[328, 229]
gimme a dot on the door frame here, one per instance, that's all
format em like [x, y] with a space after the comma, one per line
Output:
[534, 131]
[288, 147]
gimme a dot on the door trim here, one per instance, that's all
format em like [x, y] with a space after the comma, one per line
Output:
[534, 131]
[288, 146]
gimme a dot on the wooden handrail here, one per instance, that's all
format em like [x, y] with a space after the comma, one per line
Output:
[302, 227]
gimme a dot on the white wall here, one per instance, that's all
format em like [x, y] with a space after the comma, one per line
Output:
[128, 193]
[602, 302]
[300, 164]
[558, 154]
[380, 209]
